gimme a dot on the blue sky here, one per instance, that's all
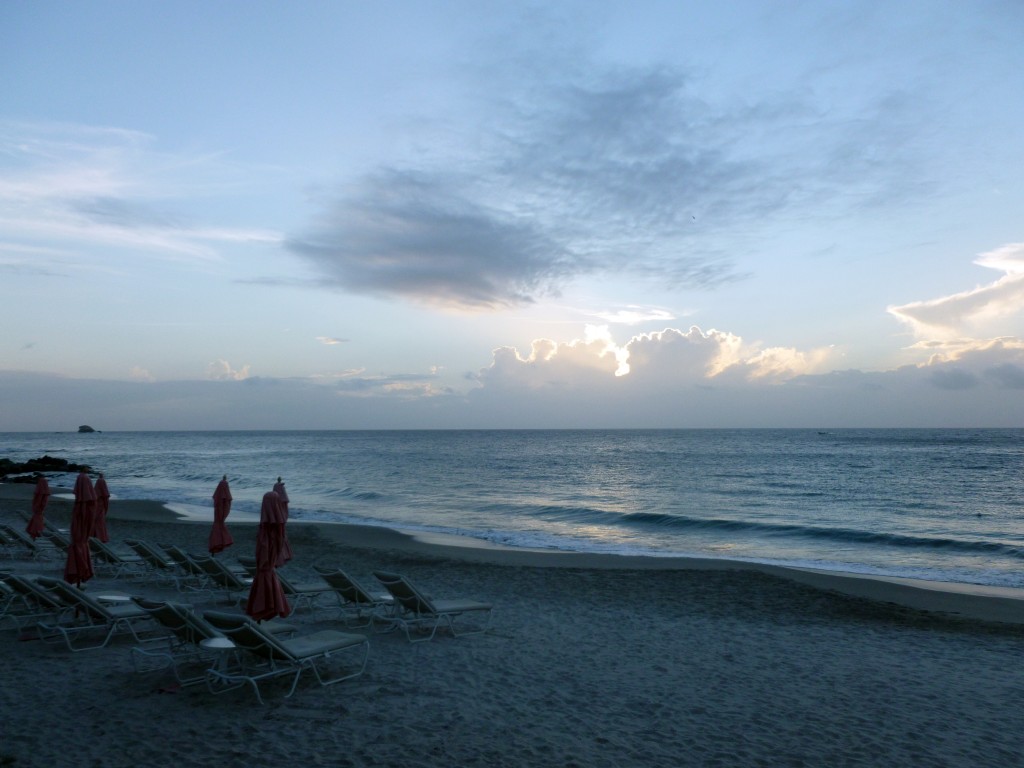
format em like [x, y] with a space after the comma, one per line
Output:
[481, 214]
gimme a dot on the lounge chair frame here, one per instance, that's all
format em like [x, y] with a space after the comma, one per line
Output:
[26, 602]
[192, 575]
[186, 632]
[355, 600]
[282, 657]
[19, 542]
[414, 610]
[83, 613]
[301, 594]
[230, 583]
[107, 558]
[160, 563]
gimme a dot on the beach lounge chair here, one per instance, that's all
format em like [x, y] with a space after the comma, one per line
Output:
[26, 602]
[84, 613]
[415, 610]
[7, 598]
[160, 563]
[354, 597]
[234, 585]
[282, 657]
[19, 542]
[59, 539]
[192, 574]
[108, 558]
[188, 640]
[302, 593]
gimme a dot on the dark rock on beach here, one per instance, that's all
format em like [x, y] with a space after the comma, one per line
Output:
[29, 471]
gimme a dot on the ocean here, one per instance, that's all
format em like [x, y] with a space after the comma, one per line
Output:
[936, 504]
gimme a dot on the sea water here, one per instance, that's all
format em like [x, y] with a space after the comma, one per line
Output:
[938, 504]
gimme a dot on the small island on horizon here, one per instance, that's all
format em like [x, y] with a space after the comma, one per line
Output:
[86, 428]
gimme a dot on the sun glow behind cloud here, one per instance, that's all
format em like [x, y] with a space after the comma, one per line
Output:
[952, 316]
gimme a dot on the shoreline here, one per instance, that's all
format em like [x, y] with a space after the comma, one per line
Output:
[961, 600]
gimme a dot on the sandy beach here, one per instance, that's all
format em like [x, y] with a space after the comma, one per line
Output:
[590, 661]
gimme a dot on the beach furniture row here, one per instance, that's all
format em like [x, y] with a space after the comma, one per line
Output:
[230, 650]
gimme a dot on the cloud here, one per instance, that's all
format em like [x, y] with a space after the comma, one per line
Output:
[85, 186]
[221, 370]
[634, 315]
[690, 354]
[409, 386]
[596, 171]
[664, 358]
[1008, 375]
[968, 363]
[953, 379]
[331, 341]
[672, 383]
[138, 373]
[413, 235]
[951, 316]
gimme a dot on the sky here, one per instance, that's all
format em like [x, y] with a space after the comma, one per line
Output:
[340, 215]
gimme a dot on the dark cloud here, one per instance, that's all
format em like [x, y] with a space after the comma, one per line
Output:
[1008, 375]
[953, 379]
[414, 235]
[609, 171]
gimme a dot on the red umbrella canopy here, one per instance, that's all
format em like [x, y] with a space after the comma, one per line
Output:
[266, 597]
[99, 523]
[222, 497]
[220, 537]
[282, 494]
[79, 564]
[286, 548]
[40, 498]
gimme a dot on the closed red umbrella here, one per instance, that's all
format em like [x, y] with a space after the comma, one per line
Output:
[99, 523]
[266, 597]
[220, 538]
[286, 547]
[79, 564]
[36, 524]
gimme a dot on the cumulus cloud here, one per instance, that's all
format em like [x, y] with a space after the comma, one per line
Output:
[951, 316]
[138, 373]
[671, 358]
[596, 170]
[221, 370]
[582, 363]
[687, 354]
